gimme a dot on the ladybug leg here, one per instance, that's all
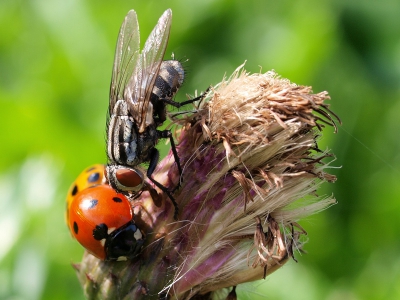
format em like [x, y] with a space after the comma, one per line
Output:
[154, 156]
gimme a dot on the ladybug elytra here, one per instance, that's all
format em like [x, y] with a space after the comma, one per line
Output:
[91, 176]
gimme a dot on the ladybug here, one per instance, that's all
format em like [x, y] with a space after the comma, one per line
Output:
[91, 176]
[100, 219]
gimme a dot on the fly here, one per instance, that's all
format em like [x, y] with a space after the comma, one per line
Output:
[142, 84]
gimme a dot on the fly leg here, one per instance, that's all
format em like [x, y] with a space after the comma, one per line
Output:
[167, 134]
[154, 156]
[179, 104]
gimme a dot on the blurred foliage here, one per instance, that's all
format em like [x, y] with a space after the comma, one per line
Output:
[56, 59]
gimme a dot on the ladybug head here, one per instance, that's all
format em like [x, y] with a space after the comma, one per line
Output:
[123, 243]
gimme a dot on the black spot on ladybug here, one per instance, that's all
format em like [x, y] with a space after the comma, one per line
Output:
[94, 177]
[74, 190]
[100, 231]
[117, 199]
[76, 228]
[90, 169]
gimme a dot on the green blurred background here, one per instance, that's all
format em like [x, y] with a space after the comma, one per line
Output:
[55, 68]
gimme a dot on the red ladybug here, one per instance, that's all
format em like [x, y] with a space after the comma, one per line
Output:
[101, 221]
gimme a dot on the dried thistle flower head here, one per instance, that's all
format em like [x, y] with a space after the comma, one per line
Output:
[251, 167]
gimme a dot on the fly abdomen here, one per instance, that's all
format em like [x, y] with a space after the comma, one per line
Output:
[169, 79]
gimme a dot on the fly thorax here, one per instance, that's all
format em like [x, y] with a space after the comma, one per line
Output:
[147, 141]
[120, 108]
[122, 136]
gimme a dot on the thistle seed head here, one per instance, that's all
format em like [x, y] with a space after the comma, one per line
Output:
[251, 169]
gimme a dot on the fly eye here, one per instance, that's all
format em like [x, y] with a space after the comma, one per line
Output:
[129, 178]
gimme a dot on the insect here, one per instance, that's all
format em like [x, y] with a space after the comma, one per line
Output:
[91, 176]
[100, 219]
[142, 85]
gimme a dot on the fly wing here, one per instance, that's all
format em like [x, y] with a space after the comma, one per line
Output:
[126, 58]
[140, 86]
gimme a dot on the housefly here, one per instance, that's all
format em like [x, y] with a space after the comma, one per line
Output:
[142, 85]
